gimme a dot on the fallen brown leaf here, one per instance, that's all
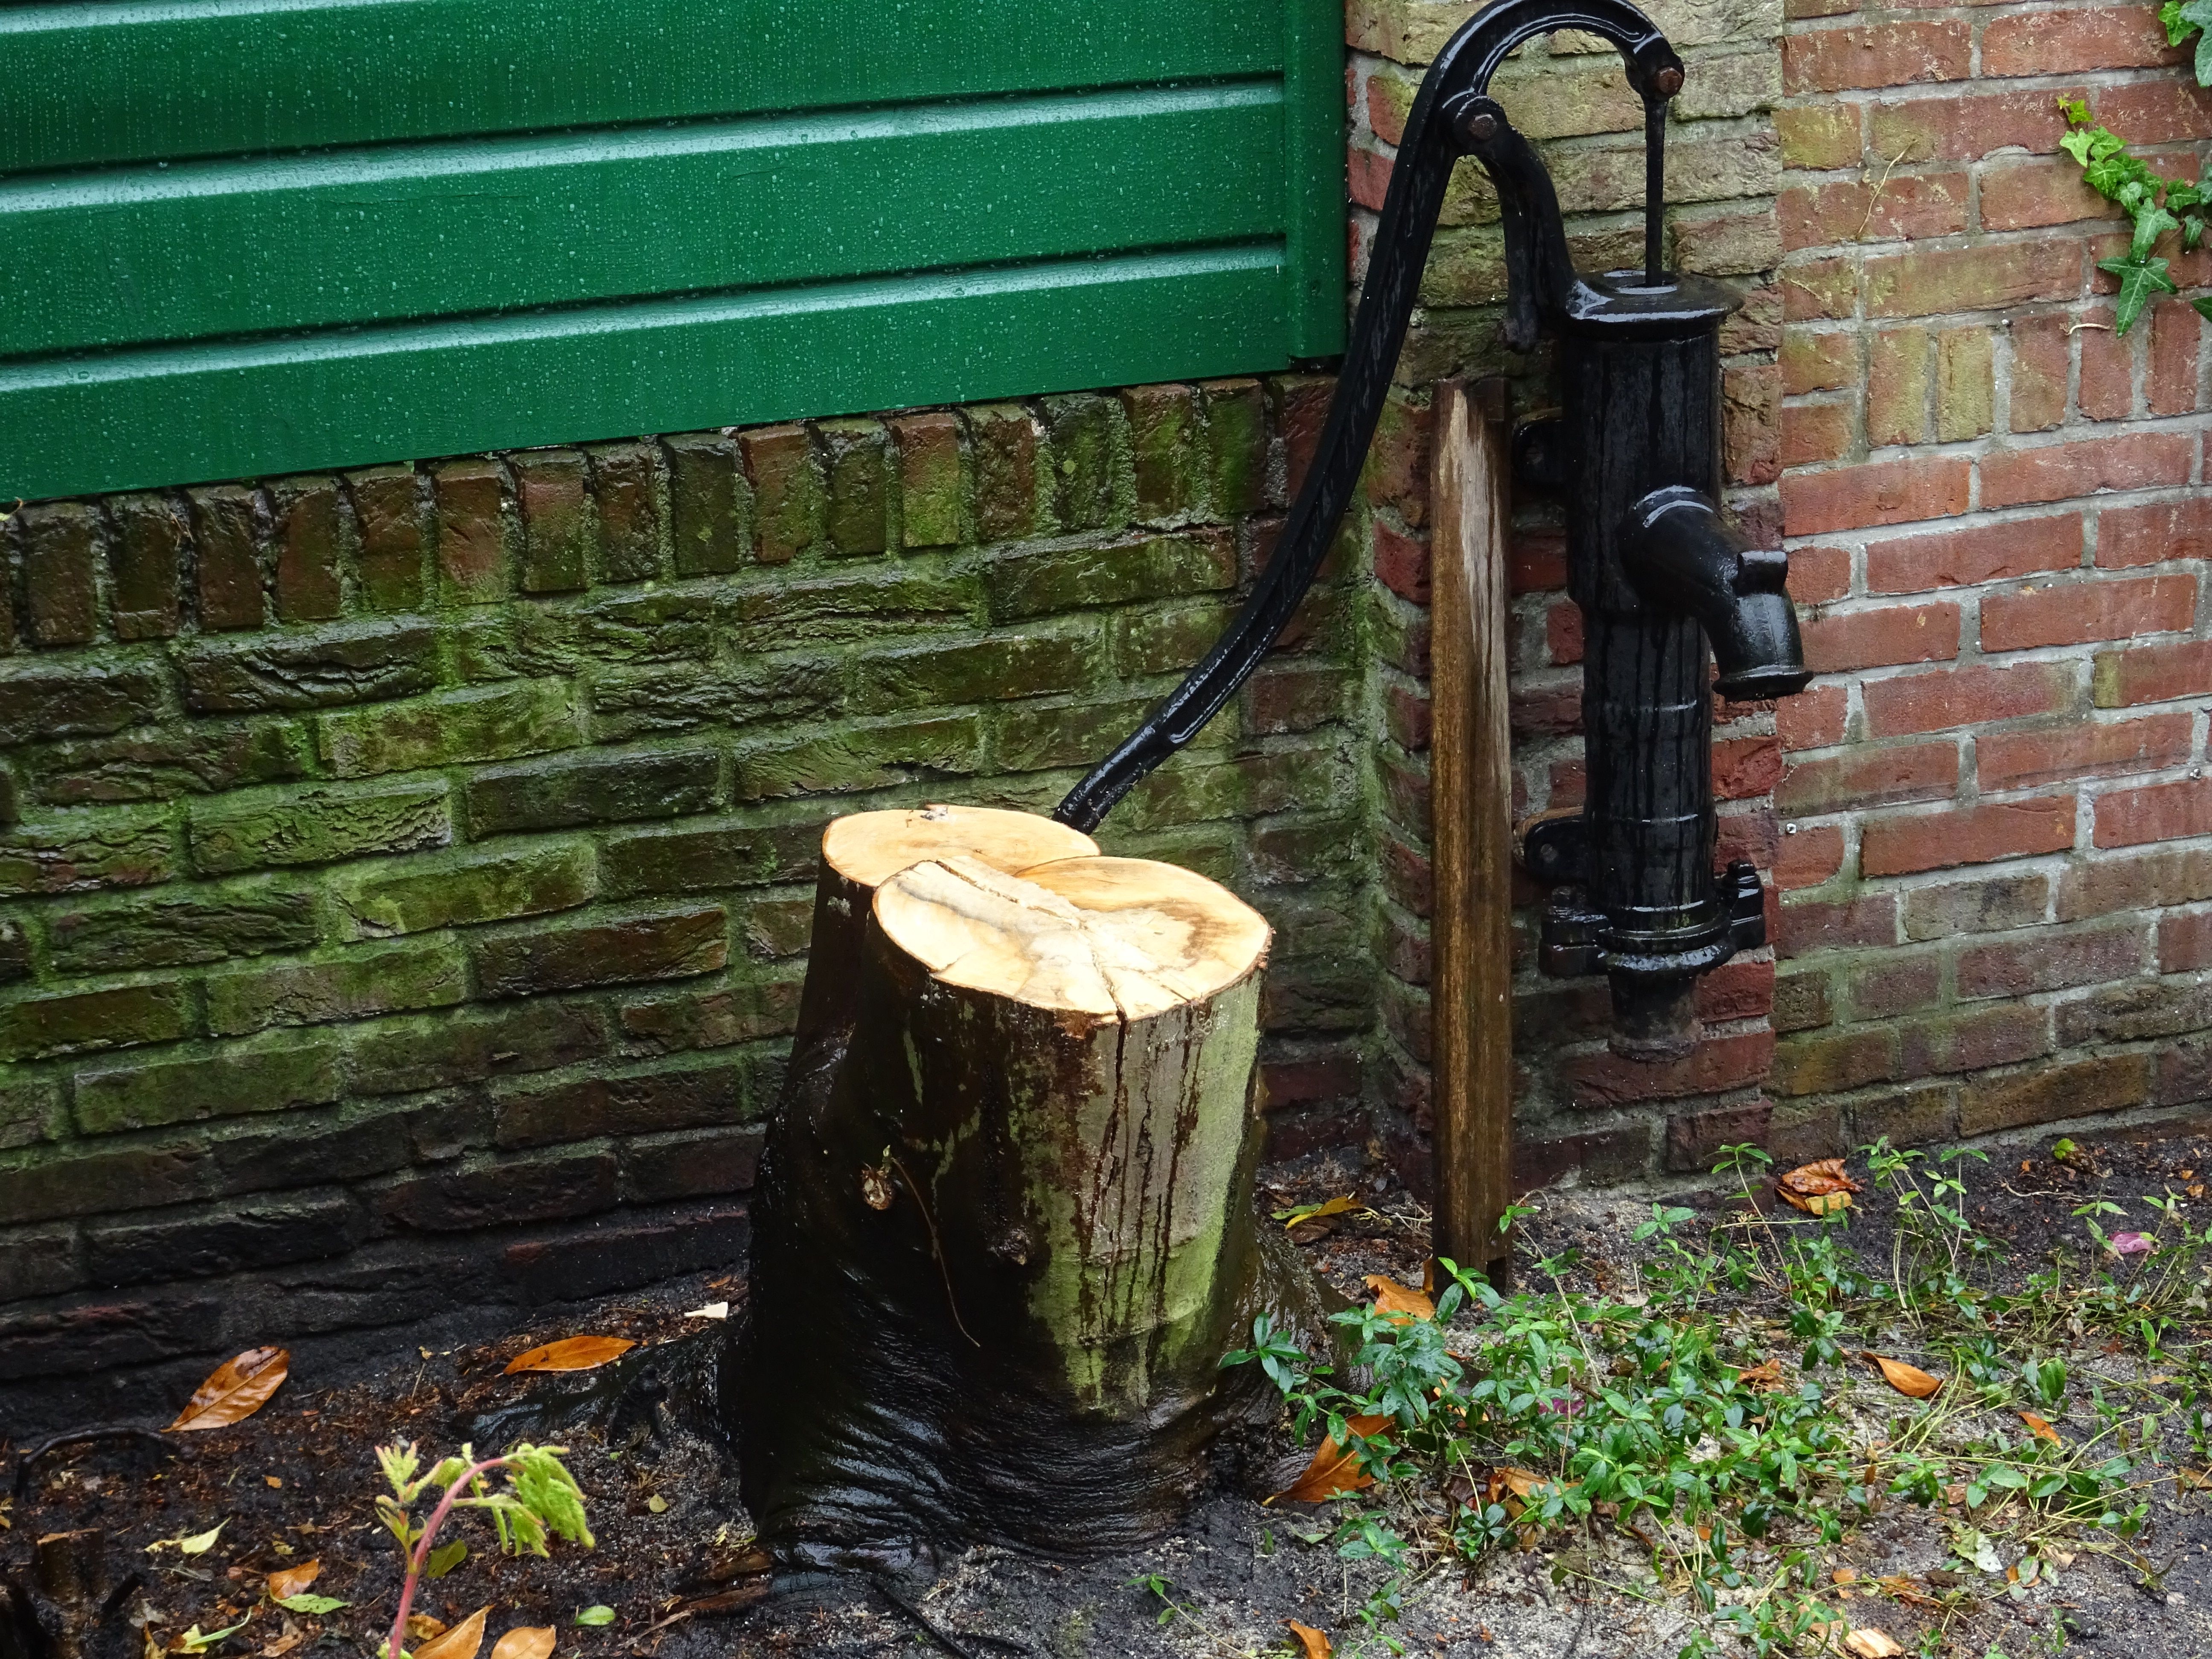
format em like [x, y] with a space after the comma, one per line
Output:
[283, 1644]
[291, 1580]
[1397, 1303]
[2039, 1429]
[422, 1626]
[571, 1353]
[1871, 1644]
[2193, 1479]
[461, 1642]
[525, 1642]
[731, 1600]
[1315, 1642]
[1819, 1187]
[1519, 1482]
[1906, 1591]
[1764, 1377]
[1334, 1470]
[1908, 1380]
[238, 1388]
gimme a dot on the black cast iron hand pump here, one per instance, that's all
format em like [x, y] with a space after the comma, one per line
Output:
[1657, 574]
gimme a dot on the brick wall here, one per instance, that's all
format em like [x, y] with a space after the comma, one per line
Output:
[404, 877]
[1994, 800]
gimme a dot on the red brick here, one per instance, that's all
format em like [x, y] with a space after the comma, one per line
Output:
[1536, 560]
[227, 538]
[1818, 362]
[1960, 558]
[1753, 836]
[1835, 925]
[1900, 844]
[1926, 281]
[1694, 1139]
[2019, 760]
[2159, 811]
[2107, 389]
[1401, 563]
[1869, 777]
[1964, 126]
[1813, 432]
[1877, 493]
[1809, 856]
[2042, 358]
[1397, 470]
[2153, 673]
[1814, 719]
[2058, 472]
[2042, 960]
[471, 530]
[1718, 1063]
[2175, 328]
[2068, 613]
[1972, 695]
[307, 548]
[2157, 110]
[1893, 982]
[1739, 989]
[1876, 55]
[2025, 195]
[1750, 432]
[1908, 208]
[1746, 768]
[2185, 941]
[2171, 875]
[1972, 1039]
[2155, 533]
[2051, 1094]
[1563, 633]
[1818, 574]
[1833, 1060]
[61, 555]
[2063, 42]
[1369, 171]
[1898, 376]
[1881, 639]
[1816, 137]
[1821, 288]
[1989, 905]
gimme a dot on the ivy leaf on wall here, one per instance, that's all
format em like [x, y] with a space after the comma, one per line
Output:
[2140, 279]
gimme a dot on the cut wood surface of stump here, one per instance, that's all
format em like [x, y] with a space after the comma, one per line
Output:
[1005, 1229]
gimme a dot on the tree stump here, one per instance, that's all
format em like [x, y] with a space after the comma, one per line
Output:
[1004, 1229]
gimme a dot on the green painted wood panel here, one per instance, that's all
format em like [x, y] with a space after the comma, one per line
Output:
[247, 238]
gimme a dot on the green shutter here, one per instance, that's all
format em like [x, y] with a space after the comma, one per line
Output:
[243, 237]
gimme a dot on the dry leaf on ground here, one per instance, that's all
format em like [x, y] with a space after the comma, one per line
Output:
[1819, 1188]
[2039, 1429]
[291, 1580]
[1315, 1642]
[1909, 1380]
[1871, 1644]
[1335, 1469]
[422, 1626]
[571, 1353]
[1342, 1204]
[525, 1642]
[461, 1642]
[2193, 1479]
[1764, 1377]
[1396, 1301]
[238, 1389]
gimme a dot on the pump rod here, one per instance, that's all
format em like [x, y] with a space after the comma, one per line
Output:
[1441, 127]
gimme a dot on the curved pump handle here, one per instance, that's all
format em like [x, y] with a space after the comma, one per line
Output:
[1453, 116]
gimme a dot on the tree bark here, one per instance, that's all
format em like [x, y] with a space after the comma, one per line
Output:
[1004, 1228]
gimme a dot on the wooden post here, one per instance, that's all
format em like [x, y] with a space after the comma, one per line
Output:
[1470, 757]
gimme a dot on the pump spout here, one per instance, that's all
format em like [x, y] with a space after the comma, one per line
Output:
[1680, 557]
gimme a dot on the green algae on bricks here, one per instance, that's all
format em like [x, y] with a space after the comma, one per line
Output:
[457, 891]
[263, 828]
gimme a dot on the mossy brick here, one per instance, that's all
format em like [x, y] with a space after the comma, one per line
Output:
[365, 982]
[855, 757]
[1294, 697]
[461, 889]
[976, 670]
[228, 556]
[232, 1081]
[310, 525]
[270, 1233]
[181, 929]
[61, 555]
[664, 626]
[856, 474]
[260, 829]
[1035, 581]
[42, 701]
[713, 1019]
[666, 944]
[472, 545]
[777, 929]
[145, 566]
[163, 763]
[37, 1261]
[316, 668]
[388, 513]
[787, 490]
[50, 1183]
[2053, 1093]
[30, 1112]
[630, 703]
[852, 607]
[2136, 1011]
[559, 525]
[689, 860]
[296, 1153]
[1166, 457]
[1304, 848]
[692, 1096]
[1033, 738]
[1087, 442]
[709, 504]
[665, 1167]
[632, 493]
[933, 481]
[503, 1194]
[1004, 440]
[111, 1017]
[591, 789]
[481, 723]
[1246, 786]
[412, 1053]
[1236, 446]
[82, 851]
[1169, 638]
[14, 951]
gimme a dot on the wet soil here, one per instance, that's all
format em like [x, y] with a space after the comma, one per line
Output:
[296, 1482]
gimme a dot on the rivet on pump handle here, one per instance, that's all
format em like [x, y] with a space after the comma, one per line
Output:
[1452, 117]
